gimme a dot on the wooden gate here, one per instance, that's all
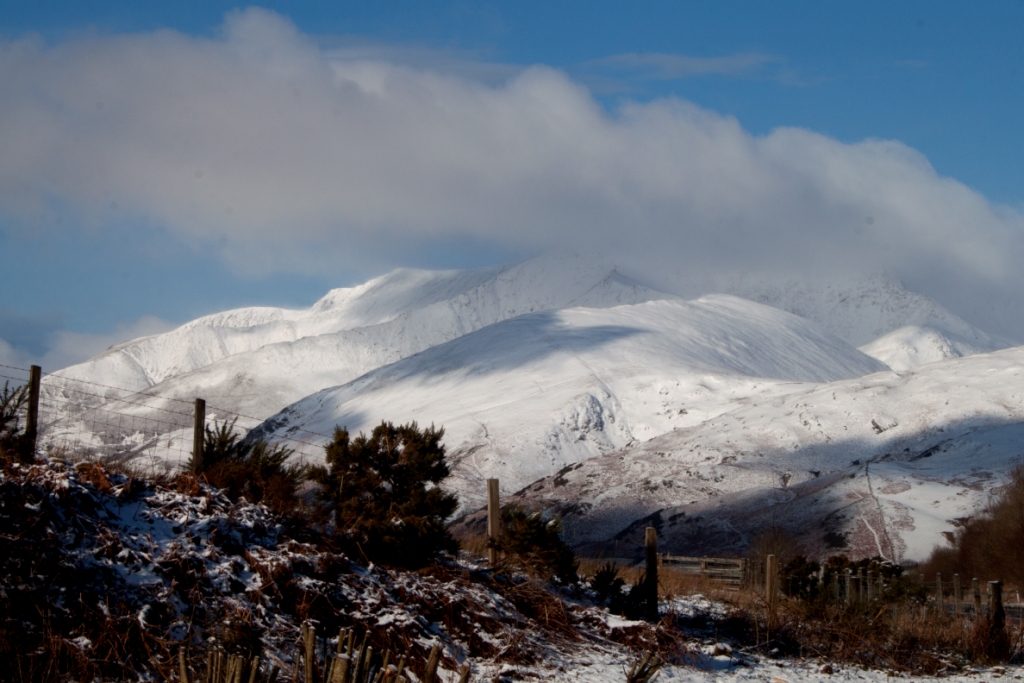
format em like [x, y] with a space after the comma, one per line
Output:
[730, 572]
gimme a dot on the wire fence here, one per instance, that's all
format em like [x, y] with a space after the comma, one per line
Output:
[967, 599]
[86, 420]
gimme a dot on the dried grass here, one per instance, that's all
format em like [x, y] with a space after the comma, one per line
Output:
[902, 637]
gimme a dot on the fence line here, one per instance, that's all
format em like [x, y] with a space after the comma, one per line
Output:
[730, 572]
[74, 418]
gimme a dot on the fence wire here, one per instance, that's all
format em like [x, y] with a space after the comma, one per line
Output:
[80, 419]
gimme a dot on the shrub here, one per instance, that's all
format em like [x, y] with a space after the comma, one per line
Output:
[606, 583]
[536, 544]
[12, 436]
[385, 495]
[251, 469]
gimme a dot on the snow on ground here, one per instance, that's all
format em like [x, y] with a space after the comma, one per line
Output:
[182, 566]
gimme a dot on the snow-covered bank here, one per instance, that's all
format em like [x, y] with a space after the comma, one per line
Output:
[121, 574]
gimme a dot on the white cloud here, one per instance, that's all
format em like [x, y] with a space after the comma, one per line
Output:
[65, 348]
[301, 158]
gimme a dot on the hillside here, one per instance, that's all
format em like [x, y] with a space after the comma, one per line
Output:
[883, 464]
[914, 345]
[523, 398]
[257, 361]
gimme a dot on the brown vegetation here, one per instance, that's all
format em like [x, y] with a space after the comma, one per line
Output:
[991, 545]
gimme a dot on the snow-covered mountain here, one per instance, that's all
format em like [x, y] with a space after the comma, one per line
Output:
[857, 311]
[525, 397]
[622, 401]
[914, 345]
[883, 464]
[256, 361]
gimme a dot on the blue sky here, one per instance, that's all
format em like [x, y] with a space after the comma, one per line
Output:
[943, 78]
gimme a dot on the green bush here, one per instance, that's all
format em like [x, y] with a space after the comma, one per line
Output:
[606, 583]
[536, 544]
[611, 589]
[251, 469]
[385, 495]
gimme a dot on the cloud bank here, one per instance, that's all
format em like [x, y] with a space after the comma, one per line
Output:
[53, 349]
[290, 156]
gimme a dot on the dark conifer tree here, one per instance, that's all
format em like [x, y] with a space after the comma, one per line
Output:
[384, 491]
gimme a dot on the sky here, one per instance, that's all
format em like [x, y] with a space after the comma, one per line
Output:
[161, 161]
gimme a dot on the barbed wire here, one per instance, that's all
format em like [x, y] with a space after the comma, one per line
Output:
[65, 418]
[117, 399]
[14, 367]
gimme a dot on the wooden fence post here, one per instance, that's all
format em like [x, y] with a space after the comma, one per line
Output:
[938, 592]
[996, 615]
[198, 435]
[771, 580]
[957, 595]
[976, 589]
[309, 634]
[493, 521]
[651, 546]
[28, 456]
[849, 586]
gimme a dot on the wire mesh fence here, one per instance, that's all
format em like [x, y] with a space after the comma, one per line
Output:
[85, 420]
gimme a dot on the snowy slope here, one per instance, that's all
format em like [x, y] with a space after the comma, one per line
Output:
[882, 464]
[914, 345]
[141, 363]
[857, 311]
[523, 398]
[257, 361]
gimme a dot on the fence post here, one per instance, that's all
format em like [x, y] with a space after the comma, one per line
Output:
[651, 546]
[957, 595]
[28, 455]
[198, 434]
[996, 615]
[938, 592]
[849, 586]
[771, 580]
[976, 588]
[493, 522]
